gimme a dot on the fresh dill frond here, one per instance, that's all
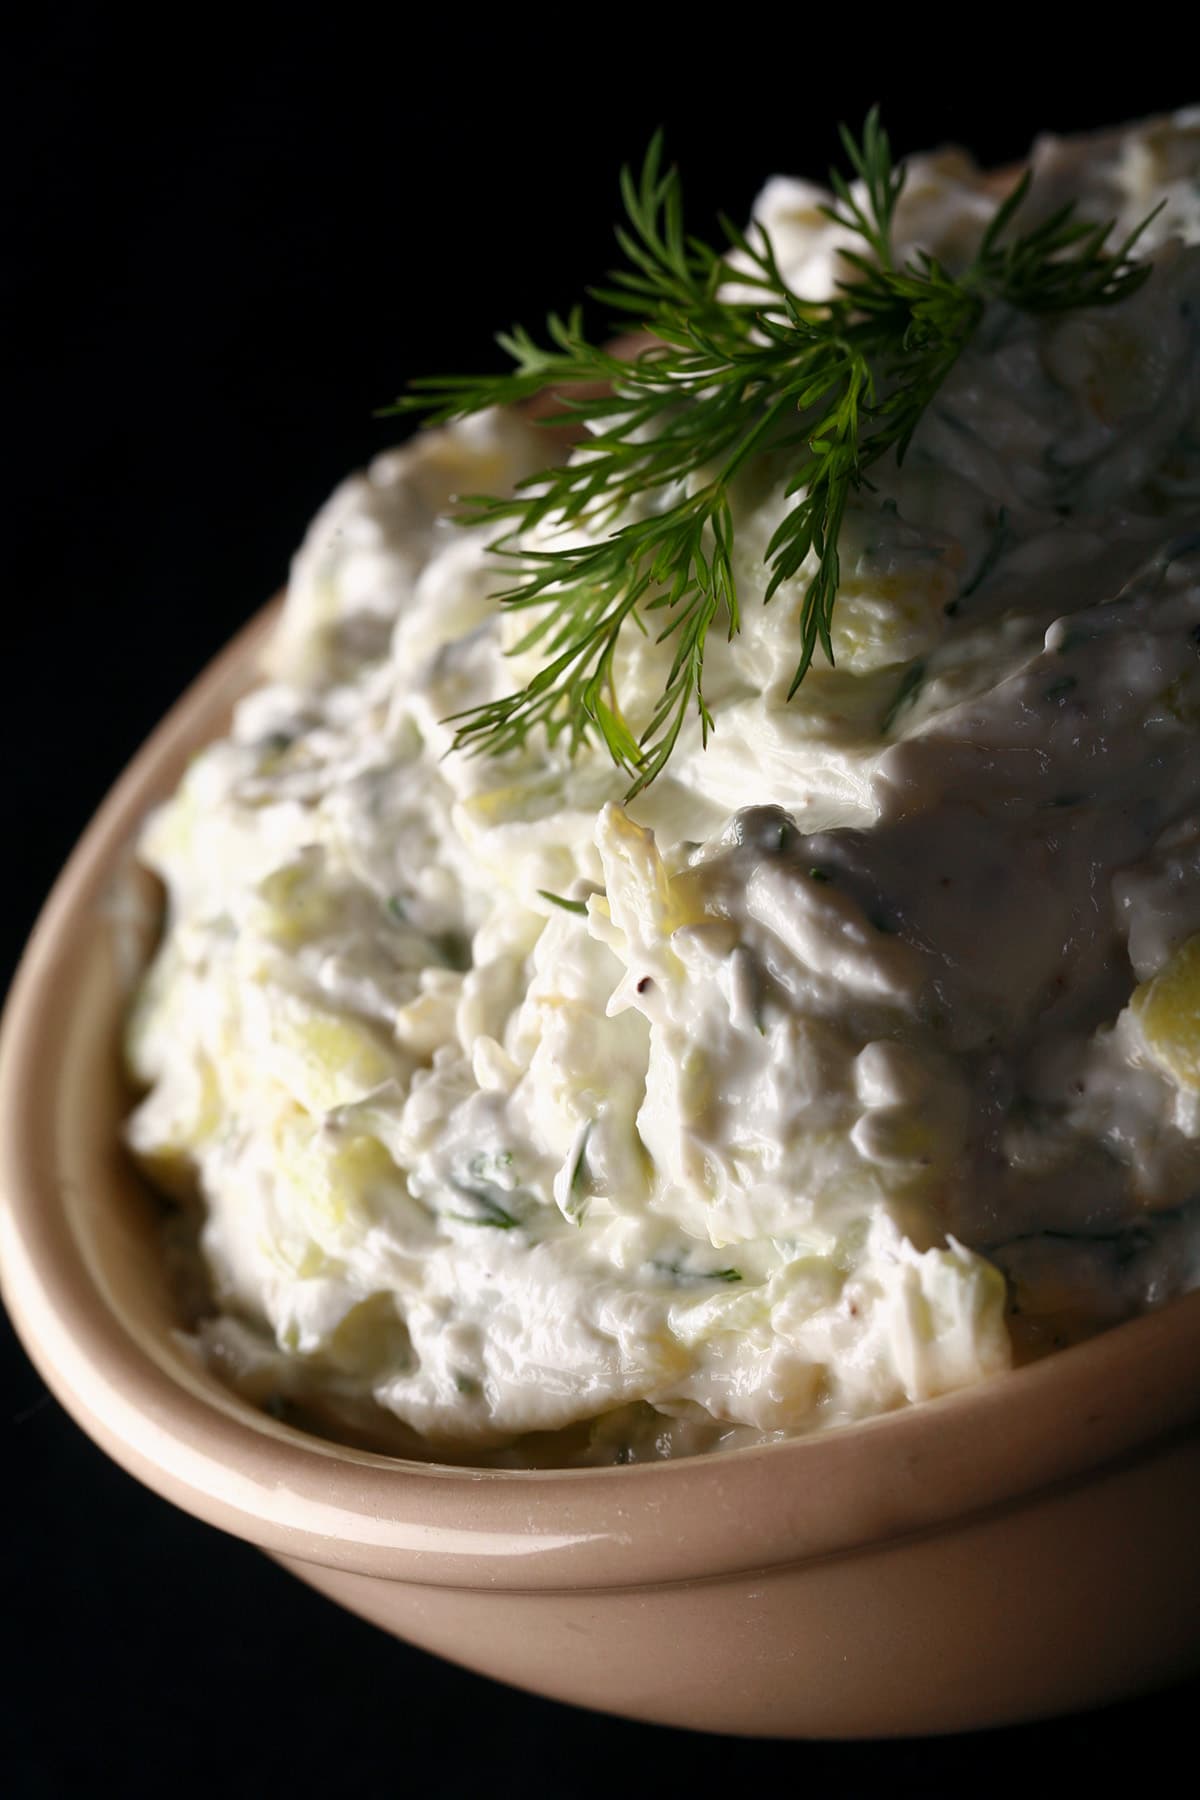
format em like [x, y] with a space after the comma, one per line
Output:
[736, 366]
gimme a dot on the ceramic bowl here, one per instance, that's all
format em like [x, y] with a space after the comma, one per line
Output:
[1023, 1548]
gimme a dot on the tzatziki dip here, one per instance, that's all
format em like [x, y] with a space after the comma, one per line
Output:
[855, 1057]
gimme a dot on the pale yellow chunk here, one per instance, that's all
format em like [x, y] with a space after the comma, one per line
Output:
[1167, 1008]
[323, 1058]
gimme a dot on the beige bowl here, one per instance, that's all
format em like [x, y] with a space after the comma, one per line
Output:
[1020, 1549]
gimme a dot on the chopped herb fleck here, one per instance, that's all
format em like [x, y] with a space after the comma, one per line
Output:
[572, 906]
[579, 1182]
[904, 696]
[490, 1212]
[750, 986]
[1000, 541]
[681, 1274]
[571, 1194]
[454, 949]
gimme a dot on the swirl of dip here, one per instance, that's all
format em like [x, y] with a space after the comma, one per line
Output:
[856, 1056]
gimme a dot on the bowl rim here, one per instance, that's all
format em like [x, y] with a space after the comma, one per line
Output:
[1127, 1393]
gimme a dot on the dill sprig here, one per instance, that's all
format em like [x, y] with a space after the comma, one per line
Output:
[737, 366]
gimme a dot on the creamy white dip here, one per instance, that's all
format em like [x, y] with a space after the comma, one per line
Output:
[865, 1053]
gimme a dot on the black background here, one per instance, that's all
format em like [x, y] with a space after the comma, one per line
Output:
[234, 236]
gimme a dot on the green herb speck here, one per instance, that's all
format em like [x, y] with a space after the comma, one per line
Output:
[906, 693]
[571, 906]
